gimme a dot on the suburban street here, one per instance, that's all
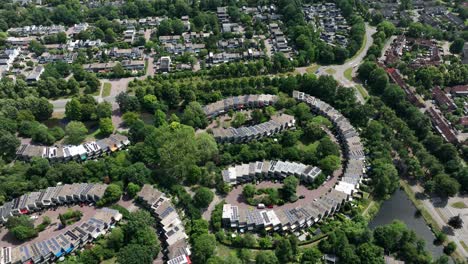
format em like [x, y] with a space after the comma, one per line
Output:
[338, 71]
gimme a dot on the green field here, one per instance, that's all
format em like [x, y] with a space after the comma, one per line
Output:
[107, 89]
[459, 205]
[348, 74]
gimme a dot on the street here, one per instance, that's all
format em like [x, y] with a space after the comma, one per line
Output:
[338, 71]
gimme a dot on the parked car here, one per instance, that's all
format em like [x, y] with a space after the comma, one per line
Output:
[301, 197]
[261, 206]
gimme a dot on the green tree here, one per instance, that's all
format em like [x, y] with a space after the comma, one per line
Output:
[73, 110]
[203, 248]
[329, 163]
[248, 191]
[115, 240]
[194, 116]
[104, 109]
[135, 254]
[132, 189]
[159, 118]
[311, 256]
[203, 197]
[457, 46]
[445, 186]
[239, 119]
[112, 194]
[9, 143]
[283, 250]
[105, 126]
[289, 188]
[266, 257]
[76, 132]
[450, 248]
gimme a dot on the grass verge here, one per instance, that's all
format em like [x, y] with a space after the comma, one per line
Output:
[459, 205]
[330, 71]
[362, 91]
[312, 68]
[107, 89]
[348, 74]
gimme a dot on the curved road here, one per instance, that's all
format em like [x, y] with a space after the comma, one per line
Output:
[337, 71]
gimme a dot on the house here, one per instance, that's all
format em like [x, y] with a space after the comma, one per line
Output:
[133, 53]
[61, 153]
[65, 242]
[175, 246]
[459, 90]
[443, 100]
[165, 64]
[19, 41]
[276, 124]
[35, 74]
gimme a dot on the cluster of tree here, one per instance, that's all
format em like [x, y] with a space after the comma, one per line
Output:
[70, 217]
[52, 83]
[355, 243]
[21, 178]
[111, 195]
[135, 242]
[21, 227]
[59, 38]
[270, 196]
[39, 133]
[414, 131]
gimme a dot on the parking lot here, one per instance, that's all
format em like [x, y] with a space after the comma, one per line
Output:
[7, 240]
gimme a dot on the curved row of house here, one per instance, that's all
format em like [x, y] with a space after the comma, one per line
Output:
[171, 231]
[52, 196]
[267, 170]
[51, 249]
[63, 153]
[288, 220]
[276, 124]
[238, 103]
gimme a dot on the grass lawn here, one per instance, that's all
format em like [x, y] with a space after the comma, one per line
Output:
[459, 205]
[107, 89]
[312, 68]
[109, 261]
[464, 245]
[362, 91]
[330, 71]
[348, 74]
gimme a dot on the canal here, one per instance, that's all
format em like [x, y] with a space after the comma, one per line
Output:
[400, 207]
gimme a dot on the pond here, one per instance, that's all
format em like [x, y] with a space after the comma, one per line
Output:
[400, 207]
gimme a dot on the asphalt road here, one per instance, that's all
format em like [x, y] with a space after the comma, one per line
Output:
[337, 71]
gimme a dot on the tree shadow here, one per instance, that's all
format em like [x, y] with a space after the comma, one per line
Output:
[448, 230]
